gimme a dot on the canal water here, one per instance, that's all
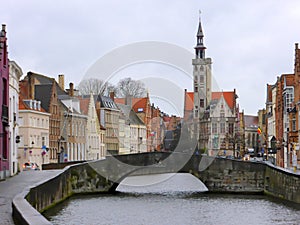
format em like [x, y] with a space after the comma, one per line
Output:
[172, 199]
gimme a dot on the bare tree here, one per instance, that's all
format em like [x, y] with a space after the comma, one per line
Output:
[95, 86]
[134, 88]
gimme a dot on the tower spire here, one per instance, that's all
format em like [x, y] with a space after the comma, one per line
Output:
[200, 48]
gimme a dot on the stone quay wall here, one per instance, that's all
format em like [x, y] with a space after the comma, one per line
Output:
[218, 174]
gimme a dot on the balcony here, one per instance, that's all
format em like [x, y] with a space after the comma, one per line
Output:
[4, 116]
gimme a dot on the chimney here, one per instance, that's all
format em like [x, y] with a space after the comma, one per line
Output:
[112, 95]
[3, 31]
[71, 89]
[296, 45]
[30, 85]
[61, 81]
[128, 100]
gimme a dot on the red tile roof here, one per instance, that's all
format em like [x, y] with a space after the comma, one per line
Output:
[229, 97]
[137, 103]
[21, 105]
[189, 101]
[250, 121]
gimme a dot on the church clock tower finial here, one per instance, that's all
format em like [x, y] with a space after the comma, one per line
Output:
[200, 48]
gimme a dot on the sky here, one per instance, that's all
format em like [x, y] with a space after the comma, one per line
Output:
[250, 42]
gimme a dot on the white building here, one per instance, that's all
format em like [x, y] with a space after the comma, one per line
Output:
[34, 133]
[94, 133]
[135, 131]
[218, 126]
[271, 119]
[15, 73]
[73, 130]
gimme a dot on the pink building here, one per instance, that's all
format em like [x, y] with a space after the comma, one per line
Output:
[4, 97]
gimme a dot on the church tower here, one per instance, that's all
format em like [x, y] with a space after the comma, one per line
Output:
[202, 75]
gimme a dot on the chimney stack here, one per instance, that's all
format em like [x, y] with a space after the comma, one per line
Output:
[71, 90]
[3, 31]
[61, 81]
[296, 45]
[31, 85]
[128, 100]
[112, 95]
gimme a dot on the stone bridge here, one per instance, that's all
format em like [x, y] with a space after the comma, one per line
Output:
[218, 174]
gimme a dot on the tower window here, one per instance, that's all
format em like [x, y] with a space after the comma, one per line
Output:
[201, 79]
[201, 103]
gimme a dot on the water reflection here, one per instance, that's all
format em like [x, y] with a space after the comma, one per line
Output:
[177, 200]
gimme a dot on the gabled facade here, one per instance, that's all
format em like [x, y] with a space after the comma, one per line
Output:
[4, 103]
[188, 114]
[241, 125]
[46, 90]
[271, 116]
[108, 112]
[157, 129]
[124, 132]
[218, 127]
[283, 116]
[15, 73]
[142, 108]
[73, 128]
[95, 146]
[284, 99]
[137, 131]
[34, 133]
[251, 134]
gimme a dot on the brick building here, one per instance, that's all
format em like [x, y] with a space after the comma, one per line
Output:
[283, 114]
[4, 101]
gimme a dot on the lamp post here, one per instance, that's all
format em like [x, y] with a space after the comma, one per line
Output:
[60, 150]
[287, 148]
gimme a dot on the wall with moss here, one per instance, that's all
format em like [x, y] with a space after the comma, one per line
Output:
[282, 184]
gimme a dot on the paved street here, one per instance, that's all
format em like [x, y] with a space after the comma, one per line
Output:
[14, 185]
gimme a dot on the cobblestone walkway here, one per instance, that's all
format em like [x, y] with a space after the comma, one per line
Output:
[14, 185]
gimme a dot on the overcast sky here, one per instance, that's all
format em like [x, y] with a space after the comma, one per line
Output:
[250, 42]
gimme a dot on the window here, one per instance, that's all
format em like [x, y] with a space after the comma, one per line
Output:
[294, 123]
[214, 128]
[43, 141]
[5, 145]
[230, 128]
[222, 128]
[288, 98]
[21, 121]
[201, 79]
[201, 103]
[222, 112]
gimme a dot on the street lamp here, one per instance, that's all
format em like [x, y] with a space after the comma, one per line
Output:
[60, 150]
[287, 148]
